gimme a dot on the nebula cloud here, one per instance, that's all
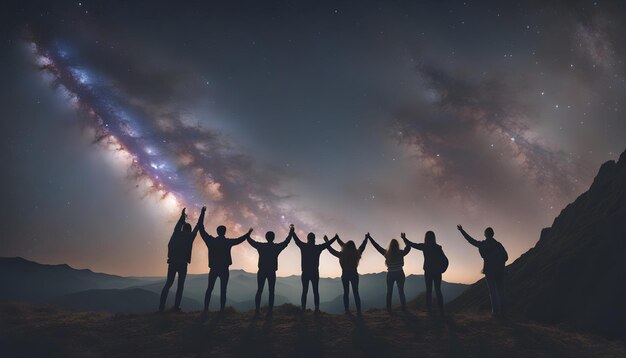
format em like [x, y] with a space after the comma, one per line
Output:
[474, 133]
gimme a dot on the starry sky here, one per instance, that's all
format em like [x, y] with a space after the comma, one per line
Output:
[340, 117]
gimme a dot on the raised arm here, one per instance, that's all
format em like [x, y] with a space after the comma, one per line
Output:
[341, 243]
[330, 248]
[469, 239]
[410, 244]
[295, 237]
[252, 243]
[205, 235]
[179, 224]
[327, 244]
[376, 246]
[406, 250]
[199, 224]
[284, 244]
[363, 244]
[241, 239]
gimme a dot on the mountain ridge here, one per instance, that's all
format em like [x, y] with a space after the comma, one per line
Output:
[60, 284]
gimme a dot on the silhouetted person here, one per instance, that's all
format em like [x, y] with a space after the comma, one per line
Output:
[178, 256]
[310, 262]
[268, 264]
[394, 260]
[219, 261]
[494, 257]
[349, 258]
[435, 264]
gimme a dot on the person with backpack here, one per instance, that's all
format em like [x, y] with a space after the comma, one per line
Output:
[435, 264]
[394, 260]
[349, 258]
[494, 259]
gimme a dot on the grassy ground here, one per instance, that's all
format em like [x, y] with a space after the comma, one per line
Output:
[45, 331]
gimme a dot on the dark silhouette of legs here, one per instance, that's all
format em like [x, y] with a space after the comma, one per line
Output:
[390, 281]
[213, 275]
[271, 284]
[305, 289]
[437, 281]
[400, 283]
[493, 294]
[355, 291]
[260, 280]
[182, 274]
[398, 278]
[500, 283]
[494, 283]
[207, 296]
[429, 290]
[171, 274]
[314, 278]
[435, 278]
[223, 285]
[315, 282]
[345, 281]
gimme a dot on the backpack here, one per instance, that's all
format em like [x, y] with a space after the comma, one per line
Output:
[443, 261]
[494, 254]
[501, 253]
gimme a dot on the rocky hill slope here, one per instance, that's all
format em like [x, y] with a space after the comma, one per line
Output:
[576, 273]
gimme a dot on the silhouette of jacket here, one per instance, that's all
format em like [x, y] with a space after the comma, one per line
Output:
[433, 255]
[268, 253]
[392, 263]
[347, 266]
[493, 253]
[181, 242]
[219, 249]
[310, 254]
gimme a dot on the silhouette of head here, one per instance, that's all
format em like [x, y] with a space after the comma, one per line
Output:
[350, 255]
[349, 246]
[187, 227]
[310, 238]
[269, 236]
[221, 230]
[489, 233]
[393, 246]
[430, 238]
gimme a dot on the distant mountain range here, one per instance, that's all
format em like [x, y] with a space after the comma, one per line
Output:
[64, 286]
[576, 273]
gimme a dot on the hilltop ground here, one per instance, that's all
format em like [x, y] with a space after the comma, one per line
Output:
[27, 330]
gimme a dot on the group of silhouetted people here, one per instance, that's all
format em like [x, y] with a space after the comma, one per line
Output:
[435, 264]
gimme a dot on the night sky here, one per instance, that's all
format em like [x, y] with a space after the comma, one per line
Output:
[342, 117]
